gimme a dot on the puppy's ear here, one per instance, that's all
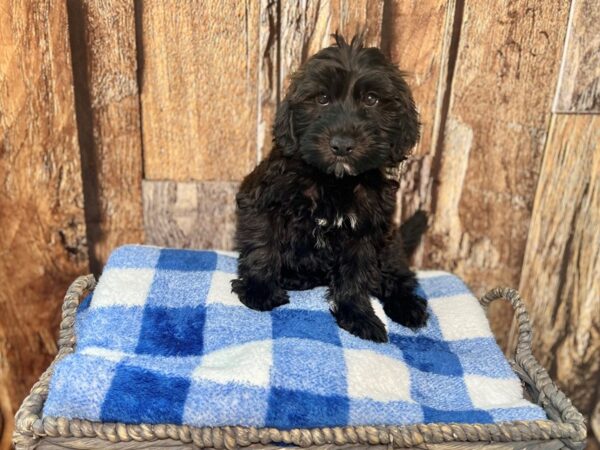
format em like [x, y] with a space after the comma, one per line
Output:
[409, 127]
[283, 130]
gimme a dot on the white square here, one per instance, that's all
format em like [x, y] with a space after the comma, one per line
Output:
[460, 317]
[491, 393]
[122, 287]
[104, 353]
[377, 377]
[220, 289]
[248, 363]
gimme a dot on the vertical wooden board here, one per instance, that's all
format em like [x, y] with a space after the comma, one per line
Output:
[106, 93]
[190, 214]
[417, 37]
[579, 82]
[560, 282]
[199, 88]
[306, 27]
[42, 243]
[505, 74]
[268, 81]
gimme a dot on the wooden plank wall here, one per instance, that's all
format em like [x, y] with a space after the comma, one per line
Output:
[143, 127]
[42, 224]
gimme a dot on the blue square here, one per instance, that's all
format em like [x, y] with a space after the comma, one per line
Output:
[294, 409]
[428, 355]
[186, 260]
[432, 415]
[176, 289]
[227, 326]
[85, 303]
[172, 331]
[138, 395]
[308, 365]
[303, 324]
[133, 257]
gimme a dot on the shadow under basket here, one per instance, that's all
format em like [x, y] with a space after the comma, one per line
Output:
[565, 427]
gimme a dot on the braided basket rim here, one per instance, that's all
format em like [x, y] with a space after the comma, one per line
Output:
[565, 423]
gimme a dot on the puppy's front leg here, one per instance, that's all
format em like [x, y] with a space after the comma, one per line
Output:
[259, 265]
[349, 292]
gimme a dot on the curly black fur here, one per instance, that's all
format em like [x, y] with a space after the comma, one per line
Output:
[318, 210]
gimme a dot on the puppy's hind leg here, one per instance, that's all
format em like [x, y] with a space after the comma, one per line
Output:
[397, 290]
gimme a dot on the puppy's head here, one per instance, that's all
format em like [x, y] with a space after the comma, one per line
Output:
[347, 110]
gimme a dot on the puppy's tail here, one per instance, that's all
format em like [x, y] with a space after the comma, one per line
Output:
[412, 230]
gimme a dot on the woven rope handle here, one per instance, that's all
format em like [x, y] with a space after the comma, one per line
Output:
[521, 315]
[557, 405]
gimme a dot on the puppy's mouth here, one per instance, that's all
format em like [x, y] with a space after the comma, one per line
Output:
[340, 167]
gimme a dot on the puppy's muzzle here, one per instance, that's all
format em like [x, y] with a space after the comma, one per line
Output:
[342, 145]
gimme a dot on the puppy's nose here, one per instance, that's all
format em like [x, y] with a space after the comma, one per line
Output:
[341, 145]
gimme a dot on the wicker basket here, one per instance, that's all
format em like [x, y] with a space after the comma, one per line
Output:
[565, 428]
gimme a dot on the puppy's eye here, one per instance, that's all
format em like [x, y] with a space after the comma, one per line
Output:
[323, 99]
[370, 99]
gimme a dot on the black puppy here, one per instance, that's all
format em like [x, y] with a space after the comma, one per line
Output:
[318, 210]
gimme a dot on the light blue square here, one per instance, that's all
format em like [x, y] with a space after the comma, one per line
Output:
[372, 412]
[310, 299]
[227, 326]
[76, 400]
[245, 406]
[431, 330]
[113, 328]
[134, 257]
[226, 263]
[469, 352]
[533, 412]
[441, 286]
[308, 365]
[439, 391]
[178, 289]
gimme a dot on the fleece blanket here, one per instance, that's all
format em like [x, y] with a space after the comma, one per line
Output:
[163, 340]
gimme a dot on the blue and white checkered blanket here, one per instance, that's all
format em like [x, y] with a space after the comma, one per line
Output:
[163, 340]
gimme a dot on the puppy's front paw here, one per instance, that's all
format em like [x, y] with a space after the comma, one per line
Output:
[410, 311]
[259, 296]
[364, 324]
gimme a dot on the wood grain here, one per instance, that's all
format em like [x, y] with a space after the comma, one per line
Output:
[307, 26]
[494, 134]
[190, 214]
[560, 281]
[268, 81]
[106, 92]
[417, 36]
[579, 83]
[199, 89]
[43, 237]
